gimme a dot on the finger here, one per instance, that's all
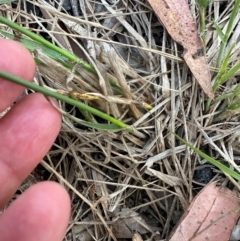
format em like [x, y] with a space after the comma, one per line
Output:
[27, 132]
[40, 213]
[16, 60]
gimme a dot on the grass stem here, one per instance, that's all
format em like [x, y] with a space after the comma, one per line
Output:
[65, 99]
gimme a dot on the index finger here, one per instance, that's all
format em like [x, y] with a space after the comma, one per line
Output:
[16, 60]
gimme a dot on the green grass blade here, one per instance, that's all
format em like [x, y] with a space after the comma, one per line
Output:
[97, 126]
[232, 18]
[71, 57]
[235, 106]
[224, 65]
[226, 170]
[230, 73]
[65, 99]
[230, 95]
[32, 46]
[219, 31]
[227, 33]
[222, 71]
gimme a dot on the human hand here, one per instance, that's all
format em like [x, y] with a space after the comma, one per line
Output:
[27, 132]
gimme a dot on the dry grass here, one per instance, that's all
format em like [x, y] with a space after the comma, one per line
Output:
[120, 183]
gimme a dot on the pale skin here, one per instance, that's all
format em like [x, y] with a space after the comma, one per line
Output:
[27, 132]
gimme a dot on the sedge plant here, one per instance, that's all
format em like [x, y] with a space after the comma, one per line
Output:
[222, 61]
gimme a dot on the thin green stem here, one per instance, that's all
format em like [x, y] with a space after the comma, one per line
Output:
[202, 15]
[46, 43]
[86, 114]
[71, 57]
[221, 53]
[63, 98]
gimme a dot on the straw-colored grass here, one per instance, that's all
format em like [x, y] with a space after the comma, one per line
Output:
[121, 183]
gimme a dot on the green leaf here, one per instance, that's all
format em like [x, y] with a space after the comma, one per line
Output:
[105, 127]
[223, 70]
[219, 31]
[231, 72]
[224, 65]
[202, 3]
[228, 32]
[233, 16]
[229, 95]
